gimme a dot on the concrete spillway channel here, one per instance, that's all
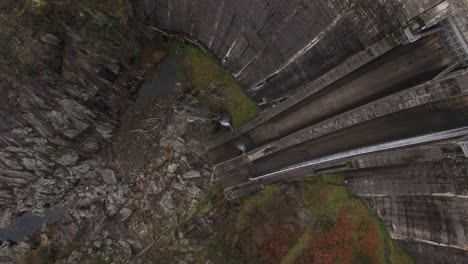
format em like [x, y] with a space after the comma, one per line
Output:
[439, 116]
[375, 104]
[343, 161]
[397, 70]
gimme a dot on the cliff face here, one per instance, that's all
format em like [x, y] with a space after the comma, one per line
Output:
[69, 73]
[63, 82]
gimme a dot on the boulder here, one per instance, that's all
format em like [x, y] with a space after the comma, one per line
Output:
[192, 174]
[172, 168]
[51, 40]
[125, 213]
[108, 176]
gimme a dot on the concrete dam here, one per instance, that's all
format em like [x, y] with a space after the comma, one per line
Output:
[376, 89]
[234, 131]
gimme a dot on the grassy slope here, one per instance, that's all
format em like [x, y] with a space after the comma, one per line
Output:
[210, 82]
[341, 229]
[348, 232]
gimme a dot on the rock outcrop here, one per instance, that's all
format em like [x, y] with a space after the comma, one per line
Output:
[64, 79]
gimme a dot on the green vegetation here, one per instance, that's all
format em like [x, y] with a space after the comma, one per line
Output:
[339, 229]
[297, 250]
[213, 85]
[251, 204]
[212, 199]
[45, 255]
[333, 178]
[397, 255]
[233, 240]
[99, 260]
[136, 51]
[27, 69]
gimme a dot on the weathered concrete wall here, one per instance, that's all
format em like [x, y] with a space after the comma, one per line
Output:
[396, 72]
[432, 91]
[424, 205]
[275, 47]
[426, 253]
[406, 156]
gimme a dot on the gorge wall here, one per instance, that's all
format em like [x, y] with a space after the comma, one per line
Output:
[63, 85]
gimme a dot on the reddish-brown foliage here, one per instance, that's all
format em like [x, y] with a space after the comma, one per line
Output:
[370, 239]
[345, 240]
[276, 246]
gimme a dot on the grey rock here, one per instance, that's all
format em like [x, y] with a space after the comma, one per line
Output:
[167, 202]
[35, 164]
[6, 254]
[303, 216]
[75, 256]
[111, 208]
[76, 110]
[192, 174]
[134, 244]
[24, 131]
[105, 130]
[51, 40]
[37, 140]
[90, 146]
[125, 213]
[154, 187]
[9, 161]
[172, 143]
[115, 200]
[125, 246]
[178, 186]
[80, 170]
[73, 118]
[172, 168]
[6, 217]
[68, 159]
[22, 249]
[108, 176]
[17, 174]
[194, 192]
[98, 244]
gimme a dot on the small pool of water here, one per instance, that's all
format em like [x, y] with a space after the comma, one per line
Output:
[29, 223]
[162, 83]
